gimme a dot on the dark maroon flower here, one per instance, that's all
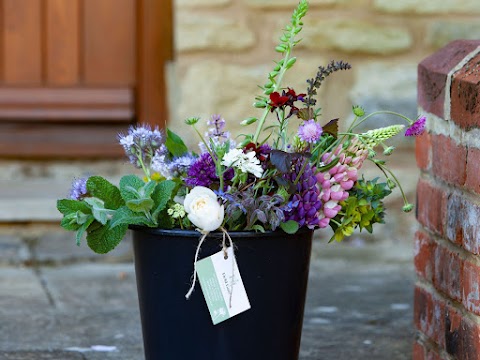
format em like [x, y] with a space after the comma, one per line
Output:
[277, 100]
[287, 98]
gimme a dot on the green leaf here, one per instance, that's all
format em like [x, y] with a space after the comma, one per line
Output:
[161, 196]
[148, 188]
[100, 188]
[125, 216]
[140, 205]
[98, 209]
[290, 227]
[83, 228]
[130, 186]
[105, 238]
[69, 222]
[175, 144]
[68, 206]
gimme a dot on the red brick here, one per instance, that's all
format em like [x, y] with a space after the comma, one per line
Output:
[470, 287]
[423, 260]
[433, 71]
[433, 355]
[423, 151]
[455, 217]
[418, 352]
[462, 335]
[469, 221]
[429, 315]
[448, 272]
[431, 206]
[449, 160]
[465, 95]
[473, 170]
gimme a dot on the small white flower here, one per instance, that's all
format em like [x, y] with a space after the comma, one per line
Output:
[203, 209]
[245, 162]
[232, 157]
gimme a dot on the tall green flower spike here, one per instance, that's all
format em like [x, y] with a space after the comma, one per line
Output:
[375, 137]
[288, 41]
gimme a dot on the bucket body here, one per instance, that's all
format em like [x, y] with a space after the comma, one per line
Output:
[274, 268]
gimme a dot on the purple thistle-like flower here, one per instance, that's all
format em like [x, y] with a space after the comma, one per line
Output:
[305, 204]
[310, 131]
[417, 128]
[78, 189]
[203, 173]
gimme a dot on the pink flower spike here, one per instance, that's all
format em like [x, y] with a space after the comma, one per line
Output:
[417, 128]
[323, 223]
[347, 185]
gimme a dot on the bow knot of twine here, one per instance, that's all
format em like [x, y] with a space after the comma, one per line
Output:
[225, 256]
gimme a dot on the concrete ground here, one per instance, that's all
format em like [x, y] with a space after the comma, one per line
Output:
[60, 302]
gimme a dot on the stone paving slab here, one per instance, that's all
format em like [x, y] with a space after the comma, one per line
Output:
[359, 306]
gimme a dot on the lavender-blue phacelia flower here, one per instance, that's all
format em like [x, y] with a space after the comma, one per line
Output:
[305, 203]
[78, 189]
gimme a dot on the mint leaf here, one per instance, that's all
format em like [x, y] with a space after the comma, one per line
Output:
[83, 228]
[147, 190]
[140, 205]
[68, 206]
[100, 188]
[290, 227]
[98, 209]
[130, 186]
[125, 216]
[105, 238]
[175, 144]
[161, 195]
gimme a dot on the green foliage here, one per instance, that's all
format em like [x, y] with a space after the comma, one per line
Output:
[175, 144]
[102, 189]
[363, 208]
[103, 239]
[290, 227]
[108, 211]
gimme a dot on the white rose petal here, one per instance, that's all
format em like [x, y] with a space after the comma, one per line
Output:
[203, 209]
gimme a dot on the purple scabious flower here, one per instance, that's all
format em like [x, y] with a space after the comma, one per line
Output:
[305, 204]
[310, 131]
[417, 128]
[79, 189]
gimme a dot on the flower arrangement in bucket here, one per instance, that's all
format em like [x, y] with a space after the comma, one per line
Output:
[294, 170]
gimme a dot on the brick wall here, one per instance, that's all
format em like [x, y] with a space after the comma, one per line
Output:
[447, 246]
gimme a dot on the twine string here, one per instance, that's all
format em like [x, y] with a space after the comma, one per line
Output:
[194, 280]
[225, 255]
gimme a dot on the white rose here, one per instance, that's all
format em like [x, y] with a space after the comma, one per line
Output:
[203, 209]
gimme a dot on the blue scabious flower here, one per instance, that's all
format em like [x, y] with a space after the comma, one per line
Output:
[180, 165]
[79, 189]
[305, 204]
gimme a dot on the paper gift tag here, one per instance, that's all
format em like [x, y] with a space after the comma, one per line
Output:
[222, 286]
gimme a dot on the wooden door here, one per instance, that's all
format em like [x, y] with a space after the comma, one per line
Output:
[73, 73]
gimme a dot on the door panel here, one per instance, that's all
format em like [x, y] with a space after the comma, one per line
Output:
[82, 67]
[109, 42]
[62, 42]
[22, 42]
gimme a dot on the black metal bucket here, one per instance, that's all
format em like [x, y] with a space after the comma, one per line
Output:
[274, 268]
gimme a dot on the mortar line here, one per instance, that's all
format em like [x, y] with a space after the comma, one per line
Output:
[36, 267]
